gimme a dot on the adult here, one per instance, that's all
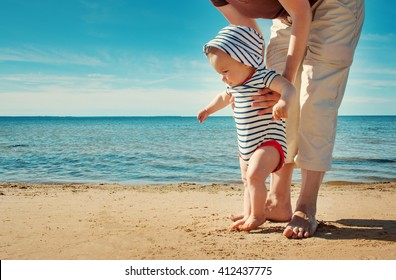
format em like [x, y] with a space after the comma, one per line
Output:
[312, 44]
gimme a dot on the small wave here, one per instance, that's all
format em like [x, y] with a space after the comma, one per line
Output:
[18, 146]
[341, 183]
[379, 179]
[364, 160]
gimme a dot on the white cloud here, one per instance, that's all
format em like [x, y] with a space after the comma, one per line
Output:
[375, 71]
[369, 99]
[48, 56]
[378, 37]
[127, 84]
[373, 83]
[115, 102]
[100, 94]
[368, 105]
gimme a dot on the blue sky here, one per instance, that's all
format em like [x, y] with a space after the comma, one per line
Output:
[129, 58]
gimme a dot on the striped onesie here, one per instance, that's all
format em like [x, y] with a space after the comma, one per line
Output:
[255, 131]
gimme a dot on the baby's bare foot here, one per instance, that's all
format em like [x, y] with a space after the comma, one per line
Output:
[235, 218]
[238, 223]
[252, 222]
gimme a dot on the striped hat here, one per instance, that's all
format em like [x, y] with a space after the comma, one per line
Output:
[242, 43]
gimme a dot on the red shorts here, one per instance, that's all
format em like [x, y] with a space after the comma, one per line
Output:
[276, 145]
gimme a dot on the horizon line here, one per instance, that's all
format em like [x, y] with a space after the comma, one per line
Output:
[151, 116]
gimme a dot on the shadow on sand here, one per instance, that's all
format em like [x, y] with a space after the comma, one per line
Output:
[384, 230]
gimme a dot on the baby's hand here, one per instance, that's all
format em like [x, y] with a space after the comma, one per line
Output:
[202, 115]
[279, 110]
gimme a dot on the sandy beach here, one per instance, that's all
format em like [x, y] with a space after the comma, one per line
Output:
[186, 222]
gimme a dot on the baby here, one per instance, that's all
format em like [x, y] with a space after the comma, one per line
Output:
[236, 53]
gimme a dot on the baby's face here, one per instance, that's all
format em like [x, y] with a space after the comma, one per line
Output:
[232, 72]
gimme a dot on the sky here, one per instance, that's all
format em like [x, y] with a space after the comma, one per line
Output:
[144, 58]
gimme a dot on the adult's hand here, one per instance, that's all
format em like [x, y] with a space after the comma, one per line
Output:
[266, 100]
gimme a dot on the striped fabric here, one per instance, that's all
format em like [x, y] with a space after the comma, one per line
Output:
[253, 129]
[242, 43]
[246, 45]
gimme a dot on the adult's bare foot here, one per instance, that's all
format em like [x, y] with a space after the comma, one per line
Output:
[302, 225]
[278, 211]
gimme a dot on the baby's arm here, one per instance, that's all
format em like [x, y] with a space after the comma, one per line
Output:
[221, 101]
[288, 93]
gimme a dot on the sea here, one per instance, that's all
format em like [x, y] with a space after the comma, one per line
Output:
[170, 150]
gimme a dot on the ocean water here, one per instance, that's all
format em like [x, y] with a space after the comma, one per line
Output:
[156, 150]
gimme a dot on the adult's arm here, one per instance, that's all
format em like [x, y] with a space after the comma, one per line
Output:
[301, 15]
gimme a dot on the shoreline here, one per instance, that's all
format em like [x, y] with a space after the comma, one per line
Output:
[186, 221]
[144, 184]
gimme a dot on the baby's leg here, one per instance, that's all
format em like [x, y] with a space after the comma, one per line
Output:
[240, 219]
[263, 161]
